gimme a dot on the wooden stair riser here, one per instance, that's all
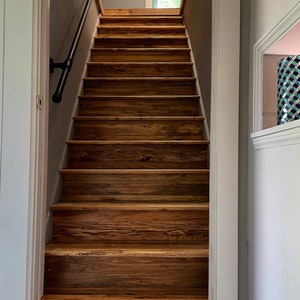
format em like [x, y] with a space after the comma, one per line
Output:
[141, 21]
[138, 106]
[137, 156]
[132, 296]
[95, 226]
[139, 86]
[140, 42]
[141, 30]
[140, 55]
[140, 69]
[87, 186]
[93, 274]
[119, 130]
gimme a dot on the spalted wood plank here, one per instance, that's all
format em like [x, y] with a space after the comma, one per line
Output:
[98, 269]
[144, 12]
[125, 69]
[101, 222]
[109, 30]
[105, 128]
[138, 295]
[139, 155]
[126, 86]
[142, 20]
[140, 41]
[168, 184]
[139, 106]
[140, 54]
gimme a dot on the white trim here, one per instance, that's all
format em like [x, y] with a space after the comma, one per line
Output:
[278, 136]
[2, 40]
[198, 88]
[38, 152]
[224, 150]
[260, 48]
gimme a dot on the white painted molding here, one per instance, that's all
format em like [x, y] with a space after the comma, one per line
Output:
[260, 48]
[224, 150]
[38, 151]
[278, 136]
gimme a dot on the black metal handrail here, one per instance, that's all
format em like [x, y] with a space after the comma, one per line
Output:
[67, 64]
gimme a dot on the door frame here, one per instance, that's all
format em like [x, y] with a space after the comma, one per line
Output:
[223, 278]
[38, 151]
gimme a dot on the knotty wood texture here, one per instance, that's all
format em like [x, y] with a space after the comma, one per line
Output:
[130, 106]
[141, 54]
[137, 155]
[133, 222]
[120, 41]
[146, 69]
[141, 20]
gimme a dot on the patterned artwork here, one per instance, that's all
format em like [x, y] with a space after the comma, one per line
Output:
[288, 93]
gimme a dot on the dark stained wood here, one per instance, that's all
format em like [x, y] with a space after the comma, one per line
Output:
[143, 12]
[102, 222]
[120, 41]
[147, 69]
[133, 221]
[140, 54]
[141, 20]
[122, 106]
[137, 128]
[133, 296]
[135, 184]
[140, 86]
[109, 30]
[138, 155]
[77, 269]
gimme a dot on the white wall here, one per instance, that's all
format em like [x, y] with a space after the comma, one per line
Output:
[272, 219]
[15, 156]
[65, 16]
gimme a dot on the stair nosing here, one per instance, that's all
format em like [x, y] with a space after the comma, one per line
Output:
[142, 26]
[134, 97]
[137, 78]
[137, 142]
[135, 171]
[141, 37]
[93, 63]
[139, 118]
[139, 49]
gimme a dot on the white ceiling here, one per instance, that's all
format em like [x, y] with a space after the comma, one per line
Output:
[289, 44]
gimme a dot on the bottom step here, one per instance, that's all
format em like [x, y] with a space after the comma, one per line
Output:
[122, 297]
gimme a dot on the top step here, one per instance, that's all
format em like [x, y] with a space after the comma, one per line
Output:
[141, 21]
[143, 12]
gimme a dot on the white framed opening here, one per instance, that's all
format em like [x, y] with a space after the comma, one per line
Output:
[282, 41]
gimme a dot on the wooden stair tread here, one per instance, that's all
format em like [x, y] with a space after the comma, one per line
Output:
[77, 206]
[139, 63]
[154, 118]
[141, 49]
[141, 37]
[141, 27]
[143, 12]
[179, 79]
[138, 296]
[138, 97]
[134, 171]
[153, 249]
[135, 142]
[153, 17]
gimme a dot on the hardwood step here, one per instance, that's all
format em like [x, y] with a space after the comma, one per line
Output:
[140, 54]
[138, 128]
[109, 30]
[145, 69]
[137, 154]
[135, 184]
[138, 222]
[142, 20]
[137, 296]
[126, 106]
[127, 86]
[93, 269]
[143, 12]
[121, 41]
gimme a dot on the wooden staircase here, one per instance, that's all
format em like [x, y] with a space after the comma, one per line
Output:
[134, 216]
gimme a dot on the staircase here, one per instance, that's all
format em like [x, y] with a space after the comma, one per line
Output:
[133, 220]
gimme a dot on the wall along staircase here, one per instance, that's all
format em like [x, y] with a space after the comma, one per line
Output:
[133, 220]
